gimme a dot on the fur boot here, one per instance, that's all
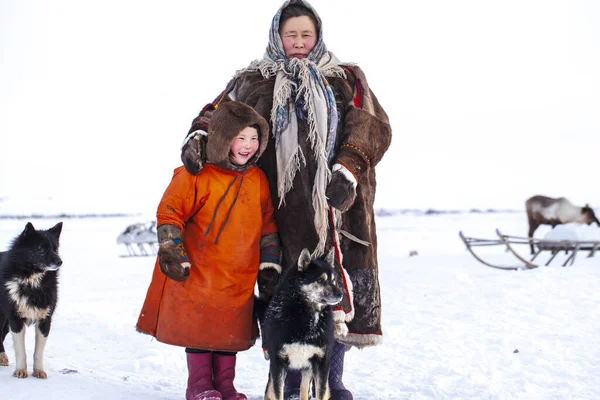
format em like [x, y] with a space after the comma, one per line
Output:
[200, 369]
[224, 368]
[336, 386]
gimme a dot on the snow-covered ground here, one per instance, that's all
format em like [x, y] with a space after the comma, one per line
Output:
[453, 328]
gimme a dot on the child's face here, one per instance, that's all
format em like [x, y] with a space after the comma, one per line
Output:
[244, 146]
[299, 36]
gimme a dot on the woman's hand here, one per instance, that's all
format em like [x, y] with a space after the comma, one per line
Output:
[341, 191]
[193, 152]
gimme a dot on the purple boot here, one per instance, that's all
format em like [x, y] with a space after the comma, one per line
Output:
[336, 370]
[291, 386]
[224, 368]
[199, 385]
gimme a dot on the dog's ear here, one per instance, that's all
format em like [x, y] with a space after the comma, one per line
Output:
[304, 260]
[56, 229]
[330, 257]
[28, 229]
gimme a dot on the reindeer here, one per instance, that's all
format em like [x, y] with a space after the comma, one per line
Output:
[542, 210]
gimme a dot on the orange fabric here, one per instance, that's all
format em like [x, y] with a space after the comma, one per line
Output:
[212, 309]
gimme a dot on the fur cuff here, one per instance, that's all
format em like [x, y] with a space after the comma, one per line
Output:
[191, 135]
[360, 341]
[341, 330]
[267, 265]
[349, 175]
[340, 316]
[352, 161]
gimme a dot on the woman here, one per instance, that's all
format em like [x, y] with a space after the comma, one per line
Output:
[329, 132]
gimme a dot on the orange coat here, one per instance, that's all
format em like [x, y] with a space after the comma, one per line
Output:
[223, 215]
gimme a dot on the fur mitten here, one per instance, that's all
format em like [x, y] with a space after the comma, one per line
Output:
[270, 268]
[173, 260]
[193, 152]
[267, 282]
[341, 191]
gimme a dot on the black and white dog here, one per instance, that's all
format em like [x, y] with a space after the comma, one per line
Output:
[298, 327]
[28, 293]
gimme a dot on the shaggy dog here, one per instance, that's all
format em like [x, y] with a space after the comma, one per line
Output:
[28, 293]
[297, 326]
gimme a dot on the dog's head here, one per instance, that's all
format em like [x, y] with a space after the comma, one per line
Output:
[40, 247]
[318, 281]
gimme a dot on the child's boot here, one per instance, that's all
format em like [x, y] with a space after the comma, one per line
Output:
[200, 385]
[224, 369]
[336, 370]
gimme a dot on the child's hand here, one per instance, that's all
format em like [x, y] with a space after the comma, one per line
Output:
[173, 260]
[269, 269]
[267, 282]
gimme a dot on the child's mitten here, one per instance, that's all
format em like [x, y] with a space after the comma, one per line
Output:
[172, 258]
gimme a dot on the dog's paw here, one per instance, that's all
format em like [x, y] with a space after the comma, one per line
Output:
[3, 360]
[20, 373]
[38, 373]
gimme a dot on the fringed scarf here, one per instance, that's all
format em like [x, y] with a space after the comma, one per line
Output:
[301, 90]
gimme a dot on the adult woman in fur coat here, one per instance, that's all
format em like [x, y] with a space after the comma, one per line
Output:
[328, 134]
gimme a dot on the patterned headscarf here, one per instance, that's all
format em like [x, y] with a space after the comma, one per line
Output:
[301, 91]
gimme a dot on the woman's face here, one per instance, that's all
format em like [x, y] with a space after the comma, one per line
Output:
[244, 146]
[299, 36]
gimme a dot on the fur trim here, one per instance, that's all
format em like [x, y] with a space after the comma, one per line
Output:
[191, 135]
[339, 316]
[346, 172]
[344, 313]
[349, 316]
[227, 121]
[360, 341]
[341, 329]
[268, 265]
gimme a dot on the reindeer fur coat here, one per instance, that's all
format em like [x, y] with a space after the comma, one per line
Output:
[363, 136]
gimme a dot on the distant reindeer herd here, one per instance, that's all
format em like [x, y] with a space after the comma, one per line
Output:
[543, 210]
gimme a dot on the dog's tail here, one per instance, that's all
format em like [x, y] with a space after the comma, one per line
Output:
[259, 311]
[260, 308]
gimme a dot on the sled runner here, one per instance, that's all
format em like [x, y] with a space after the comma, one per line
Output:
[142, 235]
[554, 247]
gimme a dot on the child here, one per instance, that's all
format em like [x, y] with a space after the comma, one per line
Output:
[216, 231]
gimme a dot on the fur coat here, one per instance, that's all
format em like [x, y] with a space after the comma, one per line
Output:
[363, 136]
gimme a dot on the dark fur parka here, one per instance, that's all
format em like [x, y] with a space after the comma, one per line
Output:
[363, 136]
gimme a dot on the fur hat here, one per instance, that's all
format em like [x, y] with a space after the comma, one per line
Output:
[226, 123]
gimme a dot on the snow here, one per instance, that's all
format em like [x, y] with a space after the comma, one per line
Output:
[98, 76]
[574, 232]
[453, 328]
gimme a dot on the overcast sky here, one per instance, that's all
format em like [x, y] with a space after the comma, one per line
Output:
[490, 101]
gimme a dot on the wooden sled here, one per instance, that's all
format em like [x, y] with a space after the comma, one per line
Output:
[142, 235]
[554, 247]
[136, 255]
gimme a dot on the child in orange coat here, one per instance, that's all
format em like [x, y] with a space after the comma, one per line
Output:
[217, 236]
